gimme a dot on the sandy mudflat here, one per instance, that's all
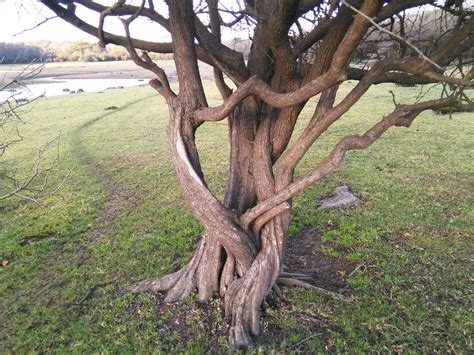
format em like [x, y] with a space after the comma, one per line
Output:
[97, 70]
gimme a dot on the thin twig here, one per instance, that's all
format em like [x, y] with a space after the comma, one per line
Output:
[35, 26]
[298, 344]
[355, 270]
[395, 103]
[27, 189]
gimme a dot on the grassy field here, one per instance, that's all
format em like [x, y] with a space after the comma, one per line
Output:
[120, 218]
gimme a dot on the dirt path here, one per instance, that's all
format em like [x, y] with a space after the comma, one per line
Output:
[76, 254]
[118, 194]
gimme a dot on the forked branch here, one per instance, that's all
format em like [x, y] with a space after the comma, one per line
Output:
[161, 84]
[30, 187]
[109, 10]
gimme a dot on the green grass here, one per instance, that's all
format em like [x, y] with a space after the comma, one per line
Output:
[120, 218]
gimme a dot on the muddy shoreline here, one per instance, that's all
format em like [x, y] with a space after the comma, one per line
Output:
[96, 70]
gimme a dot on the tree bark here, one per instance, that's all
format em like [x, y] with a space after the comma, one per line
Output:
[239, 264]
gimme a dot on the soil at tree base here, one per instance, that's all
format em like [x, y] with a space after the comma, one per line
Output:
[304, 256]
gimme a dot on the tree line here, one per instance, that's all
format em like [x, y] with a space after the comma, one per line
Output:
[46, 51]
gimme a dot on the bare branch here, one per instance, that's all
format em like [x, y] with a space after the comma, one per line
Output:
[255, 86]
[36, 172]
[13, 183]
[161, 84]
[108, 37]
[126, 9]
[103, 15]
[393, 35]
[35, 26]
[215, 21]
[267, 216]
[354, 34]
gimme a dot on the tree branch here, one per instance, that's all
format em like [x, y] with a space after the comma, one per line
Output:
[108, 11]
[354, 34]
[229, 61]
[280, 21]
[35, 26]
[161, 84]
[126, 9]
[255, 86]
[71, 18]
[223, 88]
[34, 175]
[185, 58]
[402, 116]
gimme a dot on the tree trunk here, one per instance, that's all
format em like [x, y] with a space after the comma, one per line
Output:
[239, 265]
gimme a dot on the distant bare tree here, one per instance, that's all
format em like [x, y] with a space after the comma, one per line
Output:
[300, 49]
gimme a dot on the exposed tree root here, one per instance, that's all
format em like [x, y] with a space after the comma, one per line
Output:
[202, 272]
[242, 302]
[243, 292]
[227, 275]
[245, 295]
[277, 291]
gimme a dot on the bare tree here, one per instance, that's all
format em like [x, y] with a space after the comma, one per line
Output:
[240, 254]
[15, 180]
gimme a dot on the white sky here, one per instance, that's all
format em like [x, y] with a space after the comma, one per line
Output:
[18, 15]
[15, 18]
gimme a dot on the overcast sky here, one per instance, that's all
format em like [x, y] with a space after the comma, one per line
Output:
[14, 19]
[18, 15]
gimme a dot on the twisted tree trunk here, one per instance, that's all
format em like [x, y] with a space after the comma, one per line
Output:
[239, 264]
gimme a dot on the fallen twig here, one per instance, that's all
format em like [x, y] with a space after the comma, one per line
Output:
[355, 270]
[298, 283]
[298, 344]
[295, 276]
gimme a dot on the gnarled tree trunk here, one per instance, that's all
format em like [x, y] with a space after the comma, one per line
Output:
[241, 264]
